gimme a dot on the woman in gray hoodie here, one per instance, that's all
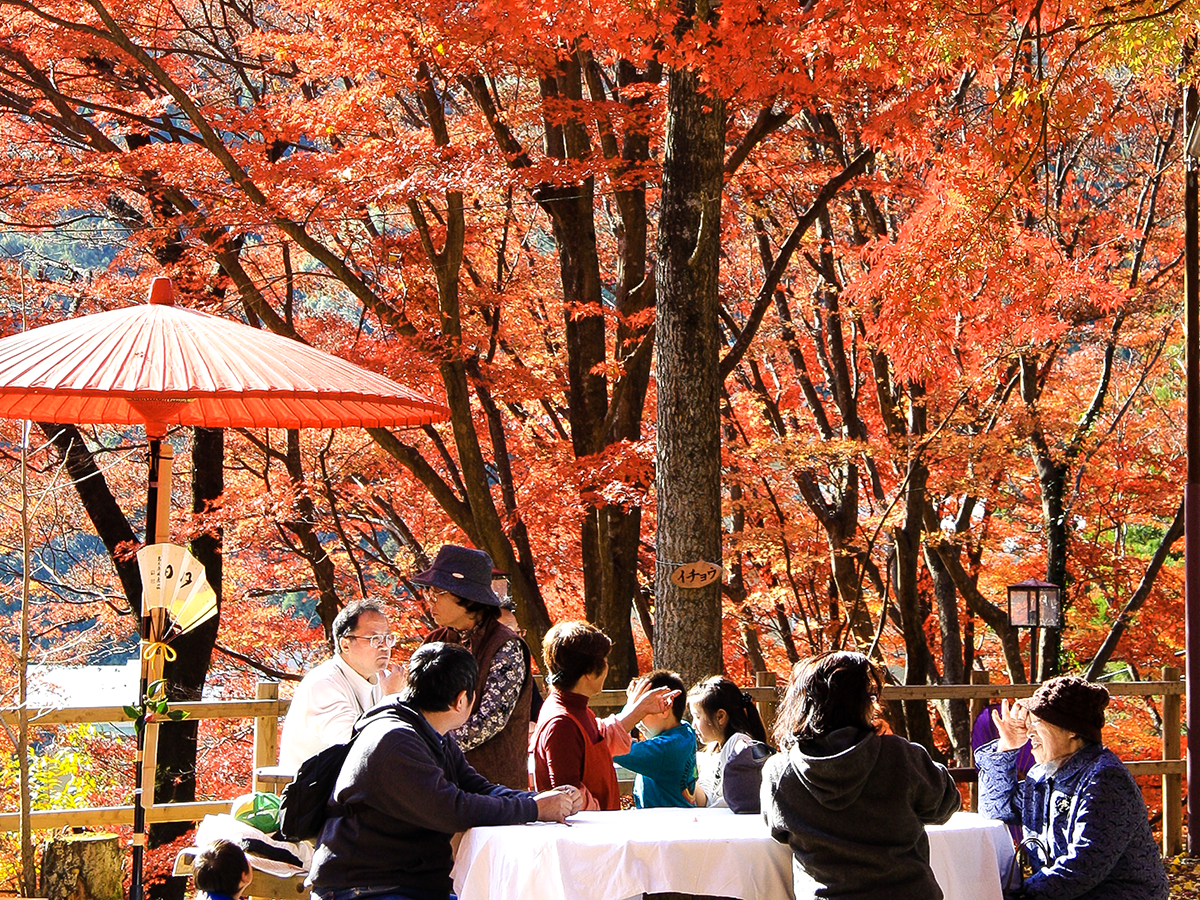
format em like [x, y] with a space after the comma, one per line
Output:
[852, 803]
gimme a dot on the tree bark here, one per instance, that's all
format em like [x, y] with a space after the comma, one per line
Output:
[82, 867]
[996, 618]
[304, 527]
[919, 667]
[622, 526]
[955, 714]
[1053, 479]
[609, 535]
[687, 632]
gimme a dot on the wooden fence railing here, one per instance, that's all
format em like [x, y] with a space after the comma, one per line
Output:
[267, 710]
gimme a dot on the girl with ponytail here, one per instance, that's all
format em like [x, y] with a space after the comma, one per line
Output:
[727, 721]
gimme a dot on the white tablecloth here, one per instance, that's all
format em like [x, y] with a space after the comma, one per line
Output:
[617, 855]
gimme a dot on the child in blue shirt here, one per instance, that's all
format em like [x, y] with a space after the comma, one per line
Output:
[665, 760]
[221, 871]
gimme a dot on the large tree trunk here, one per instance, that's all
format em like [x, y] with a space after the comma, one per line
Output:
[919, 665]
[609, 536]
[1053, 480]
[687, 630]
[621, 531]
[956, 714]
[618, 534]
[82, 867]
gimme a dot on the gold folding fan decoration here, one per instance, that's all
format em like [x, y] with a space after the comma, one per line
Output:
[174, 580]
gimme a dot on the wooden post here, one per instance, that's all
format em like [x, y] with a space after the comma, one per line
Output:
[266, 733]
[154, 672]
[1172, 785]
[978, 704]
[766, 708]
[979, 676]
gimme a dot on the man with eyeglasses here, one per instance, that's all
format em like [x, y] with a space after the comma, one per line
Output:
[334, 694]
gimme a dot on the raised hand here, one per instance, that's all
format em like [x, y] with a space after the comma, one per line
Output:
[644, 700]
[394, 679]
[1012, 721]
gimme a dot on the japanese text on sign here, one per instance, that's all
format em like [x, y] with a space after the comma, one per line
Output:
[696, 575]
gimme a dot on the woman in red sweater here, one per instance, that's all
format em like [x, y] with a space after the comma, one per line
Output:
[570, 746]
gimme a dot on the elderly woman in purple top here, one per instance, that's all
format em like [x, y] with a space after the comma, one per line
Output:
[1083, 816]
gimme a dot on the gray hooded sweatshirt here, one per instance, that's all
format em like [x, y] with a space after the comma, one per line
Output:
[853, 807]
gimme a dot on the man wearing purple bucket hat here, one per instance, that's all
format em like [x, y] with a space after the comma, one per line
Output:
[495, 738]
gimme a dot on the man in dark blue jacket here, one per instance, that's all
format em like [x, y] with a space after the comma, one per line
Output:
[405, 789]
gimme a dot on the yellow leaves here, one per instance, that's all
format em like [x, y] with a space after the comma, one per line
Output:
[1182, 876]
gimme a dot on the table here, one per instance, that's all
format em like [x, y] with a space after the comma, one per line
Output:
[618, 855]
[273, 779]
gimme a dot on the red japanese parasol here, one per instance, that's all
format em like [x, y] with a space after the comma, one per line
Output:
[159, 365]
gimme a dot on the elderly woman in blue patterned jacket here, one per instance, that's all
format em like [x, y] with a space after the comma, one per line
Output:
[1079, 804]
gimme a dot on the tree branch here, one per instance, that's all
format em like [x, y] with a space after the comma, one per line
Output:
[784, 258]
[1096, 666]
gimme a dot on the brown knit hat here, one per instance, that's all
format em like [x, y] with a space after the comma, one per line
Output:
[1072, 703]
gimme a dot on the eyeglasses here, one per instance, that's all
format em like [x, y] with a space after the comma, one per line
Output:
[378, 641]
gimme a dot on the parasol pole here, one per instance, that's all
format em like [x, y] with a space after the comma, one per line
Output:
[158, 527]
[1191, 489]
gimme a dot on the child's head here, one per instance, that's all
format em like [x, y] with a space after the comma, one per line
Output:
[221, 868]
[657, 723]
[720, 709]
[827, 692]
